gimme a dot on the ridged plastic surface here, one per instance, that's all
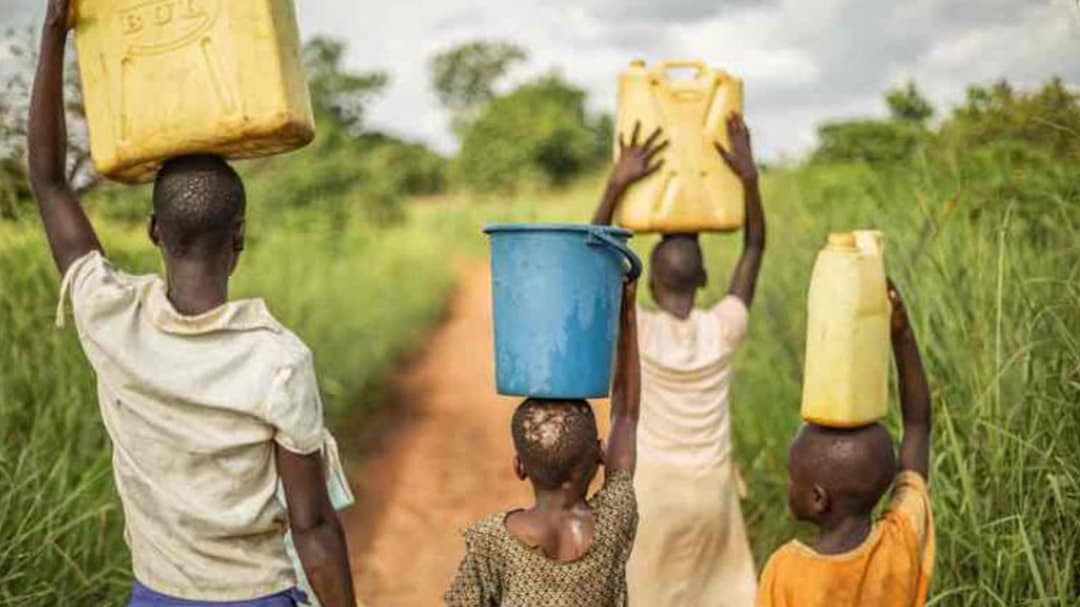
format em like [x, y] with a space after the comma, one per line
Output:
[164, 78]
[845, 383]
[695, 191]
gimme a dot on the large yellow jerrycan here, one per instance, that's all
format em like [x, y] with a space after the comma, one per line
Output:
[845, 383]
[164, 78]
[695, 191]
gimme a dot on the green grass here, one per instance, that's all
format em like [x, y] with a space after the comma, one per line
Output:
[360, 296]
[988, 257]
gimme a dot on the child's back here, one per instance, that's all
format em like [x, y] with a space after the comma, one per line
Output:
[193, 406]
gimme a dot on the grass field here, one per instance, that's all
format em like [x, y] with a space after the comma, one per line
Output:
[987, 254]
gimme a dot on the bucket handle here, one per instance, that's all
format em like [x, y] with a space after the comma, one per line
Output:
[597, 238]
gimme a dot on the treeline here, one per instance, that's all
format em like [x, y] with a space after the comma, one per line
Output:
[535, 133]
[1039, 124]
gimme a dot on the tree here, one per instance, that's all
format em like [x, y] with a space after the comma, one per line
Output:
[464, 77]
[15, 87]
[337, 93]
[1047, 119]
[539, 131]
[908, 104]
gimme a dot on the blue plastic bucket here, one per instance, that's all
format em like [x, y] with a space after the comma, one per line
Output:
[557, 291]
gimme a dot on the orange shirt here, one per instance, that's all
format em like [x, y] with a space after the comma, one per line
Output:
[892, 568]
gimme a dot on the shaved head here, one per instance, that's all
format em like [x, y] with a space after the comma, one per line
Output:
[854, 467]
[198, 202]
[556, 440]
[677, 263]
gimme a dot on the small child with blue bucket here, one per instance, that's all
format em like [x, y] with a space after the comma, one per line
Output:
[567, 549]
[211, 405]
[692, 546]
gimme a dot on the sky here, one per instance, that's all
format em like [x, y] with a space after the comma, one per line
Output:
[803, 61]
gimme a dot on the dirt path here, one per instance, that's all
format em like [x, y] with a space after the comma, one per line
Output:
[438, 459]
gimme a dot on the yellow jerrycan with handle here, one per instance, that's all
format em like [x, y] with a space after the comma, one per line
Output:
[695, 191]
[845, 384]
[165, 78]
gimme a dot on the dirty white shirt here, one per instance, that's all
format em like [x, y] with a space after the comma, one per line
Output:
[686, 378]
[193, 406]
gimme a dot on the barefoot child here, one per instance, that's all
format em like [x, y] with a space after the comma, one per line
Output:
[837, 478]
[208, 403]
[691, 547]
[565, 550]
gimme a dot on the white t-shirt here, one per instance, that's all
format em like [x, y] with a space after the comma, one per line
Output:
[686, 377]
[193, 406]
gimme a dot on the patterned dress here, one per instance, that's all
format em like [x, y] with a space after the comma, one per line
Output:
[500, 571]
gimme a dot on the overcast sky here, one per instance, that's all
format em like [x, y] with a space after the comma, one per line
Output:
[804, 61]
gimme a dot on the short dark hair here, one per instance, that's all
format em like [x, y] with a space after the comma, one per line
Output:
[677, 262]
[197, 201]
[554, 439]
[855, 465]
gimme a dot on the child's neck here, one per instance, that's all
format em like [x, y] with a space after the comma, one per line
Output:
[843, 533]
[554, 500]
[679, 305]
[195, 287]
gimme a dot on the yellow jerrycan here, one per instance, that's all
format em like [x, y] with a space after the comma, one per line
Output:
[845, 384]
[695, 191]
[165, 78]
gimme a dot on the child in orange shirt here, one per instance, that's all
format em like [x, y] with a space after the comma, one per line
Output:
[837, 477]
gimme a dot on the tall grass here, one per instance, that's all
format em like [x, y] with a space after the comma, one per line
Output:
[358, 295]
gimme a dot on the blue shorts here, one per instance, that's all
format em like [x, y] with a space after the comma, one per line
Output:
[141, 596]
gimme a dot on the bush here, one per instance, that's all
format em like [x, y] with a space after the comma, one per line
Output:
[870, 141]
[537, 133]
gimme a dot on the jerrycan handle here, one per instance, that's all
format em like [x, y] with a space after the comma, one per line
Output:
[597, 238]
[677, 63]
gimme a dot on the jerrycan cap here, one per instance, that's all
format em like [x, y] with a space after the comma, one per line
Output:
[842, 242]
[637, 63]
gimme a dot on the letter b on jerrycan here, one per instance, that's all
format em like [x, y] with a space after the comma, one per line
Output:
[557, 293]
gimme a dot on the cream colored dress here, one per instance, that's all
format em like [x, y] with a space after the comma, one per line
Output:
[691, 547]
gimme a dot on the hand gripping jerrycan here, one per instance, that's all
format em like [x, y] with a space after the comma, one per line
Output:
[165, 78]
[557, 292]
[695, 191]
[845, 384]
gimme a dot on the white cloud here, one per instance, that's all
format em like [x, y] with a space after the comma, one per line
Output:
[804, 61]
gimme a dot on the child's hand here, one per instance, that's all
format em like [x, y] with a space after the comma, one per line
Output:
[898, 322]
[57, 14]
[636, 159]
[740, 158]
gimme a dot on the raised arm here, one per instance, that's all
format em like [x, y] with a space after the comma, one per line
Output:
[68, 229]
[316, 530]
[626, 388]
[636, 162]
[740, 159]
[914, 390]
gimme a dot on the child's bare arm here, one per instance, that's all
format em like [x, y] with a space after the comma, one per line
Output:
[635, 163]
[316, 530]
[69, 231]
[741, 161]
[626, 388]
[914, 390]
